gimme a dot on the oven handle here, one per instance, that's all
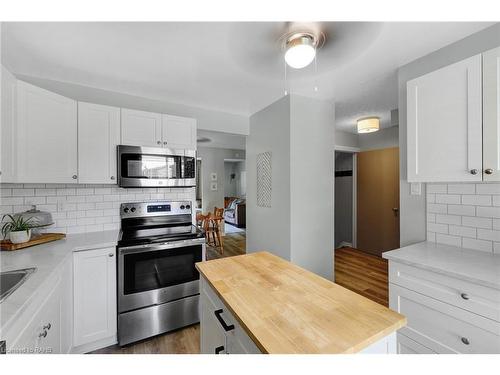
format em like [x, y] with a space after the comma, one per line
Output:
[163, 246]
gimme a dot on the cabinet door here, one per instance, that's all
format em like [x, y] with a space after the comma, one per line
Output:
[94, 283]
[98, 136]
[140, 128]
[491, 115]
[179, 132]
[445, 124]
[46, 136]
[8, 130]
[213, 338]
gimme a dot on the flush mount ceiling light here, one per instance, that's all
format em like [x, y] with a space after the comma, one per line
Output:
[368, 125]
[300, 49]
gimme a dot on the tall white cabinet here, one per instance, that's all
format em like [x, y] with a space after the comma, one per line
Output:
[491, 114]
[46, 147]
[98, 136]
[445, 124]
[94, 288]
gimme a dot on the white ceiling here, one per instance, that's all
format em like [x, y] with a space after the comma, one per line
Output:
[233, 67]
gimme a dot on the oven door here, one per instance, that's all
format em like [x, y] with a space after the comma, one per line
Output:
[152, 275]
[155, 167]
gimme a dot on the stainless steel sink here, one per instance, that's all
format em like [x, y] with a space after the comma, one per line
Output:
[11, 280]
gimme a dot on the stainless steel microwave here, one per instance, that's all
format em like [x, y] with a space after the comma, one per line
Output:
[155, 167]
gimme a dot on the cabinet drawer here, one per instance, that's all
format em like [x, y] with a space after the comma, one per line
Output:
[43, 334]
[472, 297]
[444, 328]
[409, 346]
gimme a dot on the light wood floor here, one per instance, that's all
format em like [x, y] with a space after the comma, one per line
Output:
[185, 340]
[362, 273]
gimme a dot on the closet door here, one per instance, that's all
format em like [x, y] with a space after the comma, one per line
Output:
[491, 115]
[98, 136]
[46, 136]
[445, 124]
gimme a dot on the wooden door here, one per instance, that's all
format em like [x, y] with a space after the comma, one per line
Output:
[94, 290]
[445, 124]
[46, 136]
[140, 128]
[378, 200]
[491, 115]
[179, 132]
[98, 136]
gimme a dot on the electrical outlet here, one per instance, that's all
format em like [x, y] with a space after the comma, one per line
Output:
[415, 188]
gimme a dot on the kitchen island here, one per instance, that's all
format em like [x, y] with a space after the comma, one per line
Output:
[260, 303]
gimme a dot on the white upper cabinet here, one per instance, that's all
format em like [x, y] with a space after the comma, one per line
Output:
[445, 124]
[98, 136]
[46, 148]
[179, 132]
[8, 131]
[491, 115]
[140, 128]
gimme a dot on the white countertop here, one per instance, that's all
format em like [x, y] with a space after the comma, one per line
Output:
[47, 258]
[475, 266]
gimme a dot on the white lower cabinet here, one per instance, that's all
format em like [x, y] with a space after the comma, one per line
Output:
[94, 290]
[445, 315]
[220, 332]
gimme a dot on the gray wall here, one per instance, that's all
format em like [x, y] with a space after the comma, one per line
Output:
[212, 160]
[298, 226]
[384, 138]
[232, 187]
[207, 119]
[312, 124]
[412, 207]
[346, 139]
[268, 228]
[343, 199]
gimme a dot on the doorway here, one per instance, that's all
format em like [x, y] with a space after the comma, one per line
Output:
[234, 195]
[378, 200]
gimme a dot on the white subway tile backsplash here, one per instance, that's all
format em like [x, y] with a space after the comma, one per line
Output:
[477, 222]
[81, 208]
[488, 188]
[464, 214]
[477, 200]
[461, 188]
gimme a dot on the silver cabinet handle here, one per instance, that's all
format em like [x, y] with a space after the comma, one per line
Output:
[75, 177]
[488, 171]
[47, 327]
[43, 334]
[111, 255]
[473, 171]
[464, 295]
[112, 177]
[165, 142]
[465, 340]
[158, 142]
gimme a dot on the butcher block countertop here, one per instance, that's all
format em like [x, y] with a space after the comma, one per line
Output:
[287, 309]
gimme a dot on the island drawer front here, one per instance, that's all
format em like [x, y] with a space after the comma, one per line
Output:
[442, 327]
[238, 341]
[475, 298]
[409, 346]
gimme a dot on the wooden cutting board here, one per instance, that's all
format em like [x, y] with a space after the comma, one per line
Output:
[35, 240]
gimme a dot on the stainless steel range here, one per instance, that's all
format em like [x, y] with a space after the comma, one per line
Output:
[158, 284]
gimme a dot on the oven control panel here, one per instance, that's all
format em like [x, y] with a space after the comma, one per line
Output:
[145, 209]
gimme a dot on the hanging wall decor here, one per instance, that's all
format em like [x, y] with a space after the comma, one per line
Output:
[264, 180]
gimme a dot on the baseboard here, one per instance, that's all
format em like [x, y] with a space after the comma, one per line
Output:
[344, 244]
[90, 347]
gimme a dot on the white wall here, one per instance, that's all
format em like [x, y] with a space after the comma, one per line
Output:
[412, 207]
[207, 119]
[384, 138]
[312, 125]
[298, 226]
[268, 228]
[212, 160]
[345, 139]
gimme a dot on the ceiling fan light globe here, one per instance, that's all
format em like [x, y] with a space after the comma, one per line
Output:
[300, 55]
